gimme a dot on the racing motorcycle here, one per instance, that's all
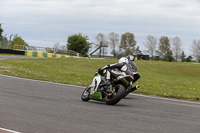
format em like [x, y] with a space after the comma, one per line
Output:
[110, 93]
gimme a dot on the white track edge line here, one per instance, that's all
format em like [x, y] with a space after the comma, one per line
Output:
[141, 95]
[162, 98]
[42, 81]
[8, 130]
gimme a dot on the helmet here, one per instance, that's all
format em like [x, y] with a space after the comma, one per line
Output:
[130, 58]
[123, 59]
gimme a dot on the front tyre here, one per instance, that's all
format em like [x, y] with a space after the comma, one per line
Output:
[86, 94]
[117, 96]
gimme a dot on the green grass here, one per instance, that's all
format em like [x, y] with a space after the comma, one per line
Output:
[70, 71]
[177, 80]
[167, 79]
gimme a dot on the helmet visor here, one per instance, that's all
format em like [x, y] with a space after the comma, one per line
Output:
[131, 57]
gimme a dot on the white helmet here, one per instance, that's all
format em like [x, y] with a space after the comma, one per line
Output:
[123, 59]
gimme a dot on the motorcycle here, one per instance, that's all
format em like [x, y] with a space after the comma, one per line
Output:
[110, 93]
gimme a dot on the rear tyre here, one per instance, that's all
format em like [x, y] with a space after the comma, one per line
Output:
[126, 94]
[86, 94]
[117, 96]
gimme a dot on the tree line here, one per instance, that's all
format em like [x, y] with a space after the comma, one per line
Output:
[165, 48]
[171, 49]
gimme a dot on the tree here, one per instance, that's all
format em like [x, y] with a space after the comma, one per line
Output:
[177, 48]
[60, 49]
[196, 49]
[183, 57]
[128, 43]
[1, 31]
[18, 40]
[102, 38]
[78, 43]
[151, 44]
[114, 43]
[1, 37]
[164, 47]
[56, 47]
[169, 56]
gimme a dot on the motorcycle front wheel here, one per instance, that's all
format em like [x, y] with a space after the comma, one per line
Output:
[86, 94]
[117, 95]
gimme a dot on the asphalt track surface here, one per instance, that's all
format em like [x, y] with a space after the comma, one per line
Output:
[31, 106]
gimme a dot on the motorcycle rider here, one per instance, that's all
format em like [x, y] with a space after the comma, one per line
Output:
[133, 68]
[125, 66]
[131, 62]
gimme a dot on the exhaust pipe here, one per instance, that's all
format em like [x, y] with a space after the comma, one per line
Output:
[137, 87]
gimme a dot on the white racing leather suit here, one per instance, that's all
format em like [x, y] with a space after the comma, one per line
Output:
[121, 68]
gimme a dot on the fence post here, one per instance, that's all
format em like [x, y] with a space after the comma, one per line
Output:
[9, 43]
[100, 50]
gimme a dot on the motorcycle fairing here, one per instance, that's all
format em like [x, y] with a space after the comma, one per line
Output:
[97, 96]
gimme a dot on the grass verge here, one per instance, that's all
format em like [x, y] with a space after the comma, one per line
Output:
[166, 79]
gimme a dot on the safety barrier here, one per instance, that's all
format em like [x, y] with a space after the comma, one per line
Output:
[50, 55]
[11, 51]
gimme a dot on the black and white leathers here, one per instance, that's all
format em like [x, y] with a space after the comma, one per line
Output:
[122, 67]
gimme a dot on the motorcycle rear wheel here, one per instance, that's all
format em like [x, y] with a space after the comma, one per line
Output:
[86, 94]
[117, 96]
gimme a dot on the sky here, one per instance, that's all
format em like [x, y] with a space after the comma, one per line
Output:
[45, 22]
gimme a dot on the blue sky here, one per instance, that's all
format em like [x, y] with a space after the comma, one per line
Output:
[45, 22]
